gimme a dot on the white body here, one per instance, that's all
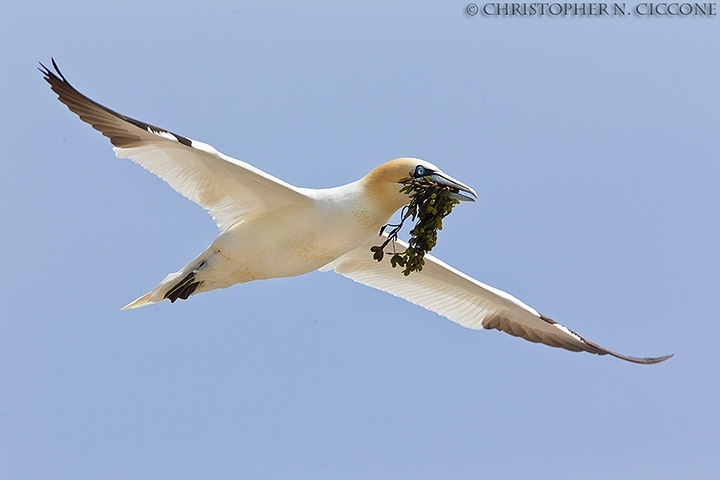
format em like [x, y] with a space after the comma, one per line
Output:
[290, 241]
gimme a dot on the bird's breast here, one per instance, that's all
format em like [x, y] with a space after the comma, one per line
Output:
[294, 240]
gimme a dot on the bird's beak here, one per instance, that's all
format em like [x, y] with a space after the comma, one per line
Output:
[456, 187]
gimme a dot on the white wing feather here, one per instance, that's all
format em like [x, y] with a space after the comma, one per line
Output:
[231, 190]
[464, 300]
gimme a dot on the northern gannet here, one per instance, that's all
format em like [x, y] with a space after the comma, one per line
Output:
[271, 229]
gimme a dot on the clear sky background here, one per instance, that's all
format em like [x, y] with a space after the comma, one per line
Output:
[593, 146]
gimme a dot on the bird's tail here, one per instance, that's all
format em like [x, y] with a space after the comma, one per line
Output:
[180, 284]
[169, 288]
[140, 302]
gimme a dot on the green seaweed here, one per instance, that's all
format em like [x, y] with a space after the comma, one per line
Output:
[430, 202]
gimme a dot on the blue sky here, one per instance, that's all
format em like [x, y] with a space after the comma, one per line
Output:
[592, 144]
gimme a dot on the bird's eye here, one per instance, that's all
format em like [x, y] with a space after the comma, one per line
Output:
[419, 171]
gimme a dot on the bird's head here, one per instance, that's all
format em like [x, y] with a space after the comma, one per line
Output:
[384, 182]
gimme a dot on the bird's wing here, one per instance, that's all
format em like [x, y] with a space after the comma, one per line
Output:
[462, 299]
[231, 190]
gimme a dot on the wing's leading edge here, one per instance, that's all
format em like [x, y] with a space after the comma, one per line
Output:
[231, 190]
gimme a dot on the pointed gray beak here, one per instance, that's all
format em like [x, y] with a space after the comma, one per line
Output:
[455, 186]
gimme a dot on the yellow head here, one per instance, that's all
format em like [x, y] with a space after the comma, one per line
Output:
[383, 183]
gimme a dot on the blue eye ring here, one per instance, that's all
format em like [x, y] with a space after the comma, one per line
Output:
[419, 171]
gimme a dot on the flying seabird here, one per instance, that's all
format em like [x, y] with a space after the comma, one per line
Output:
[271, 229]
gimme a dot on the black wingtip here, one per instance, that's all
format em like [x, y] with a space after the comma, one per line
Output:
[86, 109]
[49, 73]
[45, 71]
[57, 69]
[642, 361]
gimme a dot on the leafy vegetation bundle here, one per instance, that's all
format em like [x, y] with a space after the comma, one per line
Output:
[430, 202]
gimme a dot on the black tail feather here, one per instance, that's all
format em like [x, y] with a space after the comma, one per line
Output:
[183, 289]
